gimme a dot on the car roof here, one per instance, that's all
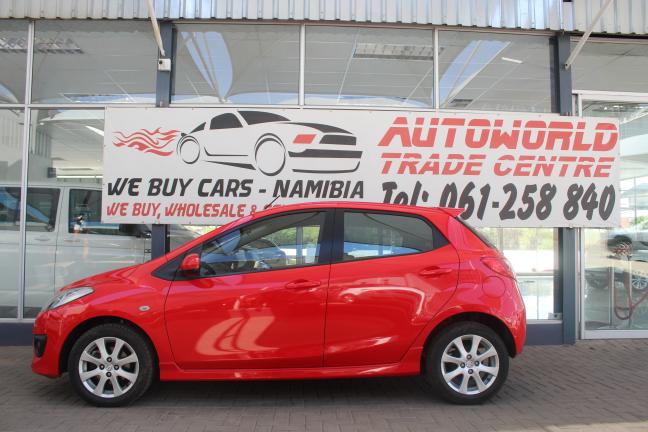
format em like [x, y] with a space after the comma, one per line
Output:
[356, 205]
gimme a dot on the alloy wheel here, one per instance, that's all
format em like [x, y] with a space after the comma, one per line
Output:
[470, 364]
[108, 367]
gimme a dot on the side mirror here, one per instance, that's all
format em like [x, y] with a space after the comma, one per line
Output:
[190, 263]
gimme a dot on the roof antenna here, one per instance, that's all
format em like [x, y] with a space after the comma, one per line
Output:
[271, 202]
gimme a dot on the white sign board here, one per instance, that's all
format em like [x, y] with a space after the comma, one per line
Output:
[211, 165]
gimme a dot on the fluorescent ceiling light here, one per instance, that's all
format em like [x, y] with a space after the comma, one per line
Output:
[512, 60]
[393, 51]
[79, 176]
[95, 130]
[41, 45]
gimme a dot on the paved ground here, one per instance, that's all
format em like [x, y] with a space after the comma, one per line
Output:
[593, 386]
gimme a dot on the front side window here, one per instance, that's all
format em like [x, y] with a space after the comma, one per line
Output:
[368, 235]
[281, 242]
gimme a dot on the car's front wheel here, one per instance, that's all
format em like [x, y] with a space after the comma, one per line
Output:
[111, 365]
[467, 363]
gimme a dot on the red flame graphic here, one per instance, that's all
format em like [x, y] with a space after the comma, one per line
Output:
[147, 141]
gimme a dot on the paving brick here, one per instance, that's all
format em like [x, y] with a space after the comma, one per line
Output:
[591, 386]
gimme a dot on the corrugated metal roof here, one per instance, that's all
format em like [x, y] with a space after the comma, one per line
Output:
[624, 16]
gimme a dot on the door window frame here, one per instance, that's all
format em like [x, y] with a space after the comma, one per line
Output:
[337, 253]
[599, 96]
[324, 257]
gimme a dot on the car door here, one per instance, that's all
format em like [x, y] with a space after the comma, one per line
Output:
[86, 246]
[391, 272]
[259, 299]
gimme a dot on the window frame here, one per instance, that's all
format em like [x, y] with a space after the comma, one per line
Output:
[338, 237]
[324, 256]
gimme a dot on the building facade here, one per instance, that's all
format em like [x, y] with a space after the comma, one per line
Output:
[63, 63]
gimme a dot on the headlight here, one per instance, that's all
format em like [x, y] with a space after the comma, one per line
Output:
[68, 296]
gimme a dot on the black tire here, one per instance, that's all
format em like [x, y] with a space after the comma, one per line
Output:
[140, 347]
[433, 374]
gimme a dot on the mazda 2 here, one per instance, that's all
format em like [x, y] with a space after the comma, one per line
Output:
[303, 291]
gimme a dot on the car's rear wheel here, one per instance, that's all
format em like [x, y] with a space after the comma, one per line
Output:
[270, 155]
[467, 363]
[189, 149]
[111, 365]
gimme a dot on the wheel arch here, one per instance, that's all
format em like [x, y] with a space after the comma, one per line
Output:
[94, 322]
[494, 323]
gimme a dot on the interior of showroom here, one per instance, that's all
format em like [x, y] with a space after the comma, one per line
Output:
[57, 77]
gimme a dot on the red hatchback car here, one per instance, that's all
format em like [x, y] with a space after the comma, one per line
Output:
[324, 290]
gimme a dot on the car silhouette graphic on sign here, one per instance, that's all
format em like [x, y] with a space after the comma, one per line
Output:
[270, 143]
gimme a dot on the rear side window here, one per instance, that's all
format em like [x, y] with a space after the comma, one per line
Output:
[368, 235]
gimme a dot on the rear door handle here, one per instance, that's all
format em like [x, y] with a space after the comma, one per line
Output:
[434, 271]
[300, 284]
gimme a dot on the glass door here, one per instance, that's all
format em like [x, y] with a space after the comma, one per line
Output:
[614, 262]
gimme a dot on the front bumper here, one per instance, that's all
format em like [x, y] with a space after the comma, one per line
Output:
[47, 345]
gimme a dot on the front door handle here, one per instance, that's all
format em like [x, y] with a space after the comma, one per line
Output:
[300, 284]
[434, 271]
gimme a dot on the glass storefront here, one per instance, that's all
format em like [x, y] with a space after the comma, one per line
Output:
[13, 61]
[79, 62]
[369, 66]
[65, 239]
[93, 62]
[491, 71]
[236, 64]
[11, 131]
[610, 80]
[611, 65]
[532, 254]
[100, 63]
[615, 261]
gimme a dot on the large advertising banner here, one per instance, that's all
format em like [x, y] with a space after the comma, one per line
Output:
[212, 165]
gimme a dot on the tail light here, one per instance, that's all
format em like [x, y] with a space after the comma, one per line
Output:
[499, 266]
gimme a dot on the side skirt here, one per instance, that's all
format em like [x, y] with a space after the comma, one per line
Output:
[410, 365]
